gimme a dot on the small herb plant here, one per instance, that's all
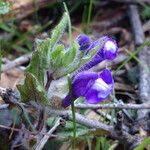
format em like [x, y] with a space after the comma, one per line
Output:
[46, 76]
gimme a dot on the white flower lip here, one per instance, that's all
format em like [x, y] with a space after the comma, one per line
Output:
[110, 46]
[102, 87]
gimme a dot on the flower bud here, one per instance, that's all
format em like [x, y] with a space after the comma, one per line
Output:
[84, 42]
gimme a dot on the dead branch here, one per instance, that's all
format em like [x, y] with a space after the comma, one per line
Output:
[29, 132]
[114, 106]
[144, 81]
[41, 144]
[80, 119]
[67, 114]
[17, 62]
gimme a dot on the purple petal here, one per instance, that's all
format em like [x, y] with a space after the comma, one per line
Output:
[107, 76]
[80, 85]
[110, 48]
[92, 97]
[82, 82]
[101, 88]
[93, 86]
[84, 42]
[66, 101]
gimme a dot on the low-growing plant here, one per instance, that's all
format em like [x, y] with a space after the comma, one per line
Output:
[46, 83]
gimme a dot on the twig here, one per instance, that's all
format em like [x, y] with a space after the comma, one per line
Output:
[113, 106]
[80, 119]
[17, 62]
[144, 81]
[29, 132]
[10, 128]
[105, 115]
[126, 137]
[46, 137]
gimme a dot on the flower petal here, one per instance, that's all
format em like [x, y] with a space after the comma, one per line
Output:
[101, 88]
[66, 101]
[82, 82]
[80, 85]
[110, 48]
[107, 76]
[84, 41]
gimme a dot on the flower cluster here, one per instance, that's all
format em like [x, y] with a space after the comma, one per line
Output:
[94, 87]
[108, 50]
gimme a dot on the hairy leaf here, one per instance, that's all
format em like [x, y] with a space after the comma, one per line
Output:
[41, 57]
[32, 90]
[56, 56]
[78, 61]
[67, 131]
[70, 55]
[39, 62]
[58, 31]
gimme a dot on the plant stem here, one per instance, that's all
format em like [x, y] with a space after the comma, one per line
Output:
[73, 110]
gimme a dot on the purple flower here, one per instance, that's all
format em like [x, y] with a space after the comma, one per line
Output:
[108, 50]
[93, 86]
[84, 42]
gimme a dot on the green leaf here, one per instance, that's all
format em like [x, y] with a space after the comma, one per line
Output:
[67, 131]
[79, 60]
[41, 57]
[51, 121]
[146, 12]
[56, 56]
[58, 31]
[70, 55]
[4, 26]
[32, 90]
[99, 132]
[145, 143]
[39, 63]
[102, 143]
[4, 7]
